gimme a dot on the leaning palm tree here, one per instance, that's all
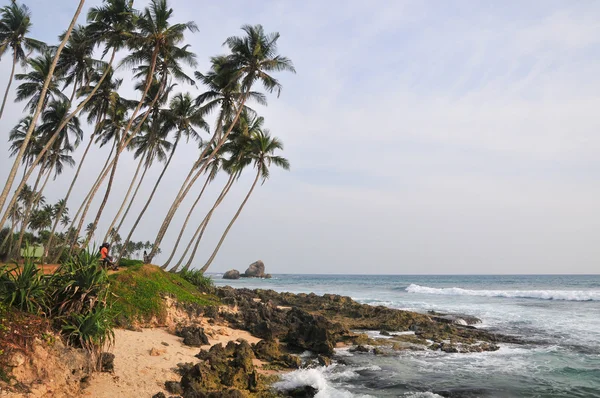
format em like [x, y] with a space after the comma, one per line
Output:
[13, 171]
[261, 153]
[151, 145]
[252, 59]
[33, 81]
[214, 168]
[15, 24]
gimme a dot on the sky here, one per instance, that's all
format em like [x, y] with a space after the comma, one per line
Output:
[425, 137]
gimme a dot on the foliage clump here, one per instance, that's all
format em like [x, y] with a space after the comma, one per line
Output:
[197, 278]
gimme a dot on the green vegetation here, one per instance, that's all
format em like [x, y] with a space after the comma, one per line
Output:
[127, 262]
[73, 298]
[139, 290]
[197, 278]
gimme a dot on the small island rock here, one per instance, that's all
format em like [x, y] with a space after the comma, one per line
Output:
[255, 270]
[232, 274]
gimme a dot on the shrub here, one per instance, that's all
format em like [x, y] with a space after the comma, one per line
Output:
[24, 287]
[126, 262]
[197, 278]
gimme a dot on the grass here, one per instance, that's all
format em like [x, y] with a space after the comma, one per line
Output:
[139, 290]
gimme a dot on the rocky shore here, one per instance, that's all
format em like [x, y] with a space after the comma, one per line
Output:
[290, 324]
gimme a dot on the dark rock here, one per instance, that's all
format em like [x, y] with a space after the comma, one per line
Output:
[255, 270]
[159, 395]
[359, 348]
[107, 362]
[193, 336]
[268, 276]
[232, 274]
[173, 387]
[323, 360]
[378, 351]
[310, 332]
[384, 333]
[302, 392]
[267, 350]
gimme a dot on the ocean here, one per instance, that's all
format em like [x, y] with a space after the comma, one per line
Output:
[559, 316]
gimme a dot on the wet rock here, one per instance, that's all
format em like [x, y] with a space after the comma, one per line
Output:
[255, 270]
[107, 362]
[159, 395]
[173, 387]
[310, 332]
[232, 274]
[378, 351]
[359, 348]
[384, 333]
[193, 336]
[302, 392]
[268, 276]
[323, 360]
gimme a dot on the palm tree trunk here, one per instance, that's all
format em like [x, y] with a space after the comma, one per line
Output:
[36, 114]
[202, 227]
[34, 198]
[51, 140]
[179, 198]
[131, 201]
[131, 184]
[104, 200]
[123, 144]
[10, 80]
[212, 257]
[9, 237]
[137, 221]
[64, 205]
[187, 219]
[74, 91]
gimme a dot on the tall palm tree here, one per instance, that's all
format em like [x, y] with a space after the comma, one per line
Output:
[252, 58]
[15, 24]
[212, 172]
[185, 117]
[77, 65]
[33, 81]
[13, 171]
[261, 153]
[151, 145]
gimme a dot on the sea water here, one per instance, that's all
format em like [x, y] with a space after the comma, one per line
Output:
[558, 316]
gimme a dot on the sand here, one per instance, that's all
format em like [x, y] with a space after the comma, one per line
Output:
[143, 362]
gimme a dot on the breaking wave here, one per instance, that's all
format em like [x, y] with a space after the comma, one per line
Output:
[567, 295]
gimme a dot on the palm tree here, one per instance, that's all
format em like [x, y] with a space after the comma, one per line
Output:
[212, 172]
[261, 153]
[184, 116]
[16, 215]
[252, 58]
[33, 81]
[77, 65]
[151, 145]
[15, 24]
[13, 171]
[102, 91]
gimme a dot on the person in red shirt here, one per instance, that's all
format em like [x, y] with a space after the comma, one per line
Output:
[105, 258]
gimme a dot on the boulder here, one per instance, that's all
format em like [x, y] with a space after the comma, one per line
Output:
[255, 270]
[193, 336]
[232, 274]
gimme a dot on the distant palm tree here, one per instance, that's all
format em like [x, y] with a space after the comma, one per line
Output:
[34, 80]
[261, 153]
[15, 24]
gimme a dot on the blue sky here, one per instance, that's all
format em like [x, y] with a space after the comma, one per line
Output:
[424, 137]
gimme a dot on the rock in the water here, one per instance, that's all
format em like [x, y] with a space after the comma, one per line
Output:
[255, 270]
[302, 392]
[323, 360]
[359, 348]
[232, 274]
[193, 336]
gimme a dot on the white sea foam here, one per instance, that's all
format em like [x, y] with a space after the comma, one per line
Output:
[426, 394]
[323, 379]
[567, 295]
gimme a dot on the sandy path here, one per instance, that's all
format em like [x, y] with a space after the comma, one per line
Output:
[139, 374]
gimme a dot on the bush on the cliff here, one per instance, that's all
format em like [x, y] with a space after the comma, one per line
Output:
[24, 287]
[197, 278]
[139, 290]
